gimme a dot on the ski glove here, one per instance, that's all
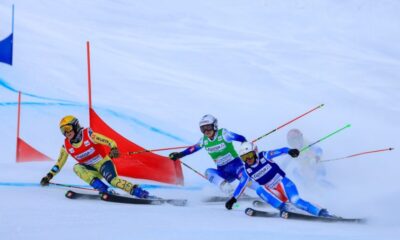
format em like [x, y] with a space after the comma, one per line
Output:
[46, 180]
[139, 192]
[230, 202]
[114, 153]
[294, 152]
[175, 155]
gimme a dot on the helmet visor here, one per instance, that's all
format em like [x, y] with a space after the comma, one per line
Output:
[207, 127]
[250, 156]
[66, 129]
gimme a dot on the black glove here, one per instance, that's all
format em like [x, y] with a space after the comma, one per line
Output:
[114, 153]
[294, 152]
[230, 202]
[46, 180]
[175, 155]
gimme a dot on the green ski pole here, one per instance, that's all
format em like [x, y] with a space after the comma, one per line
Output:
[322, 139]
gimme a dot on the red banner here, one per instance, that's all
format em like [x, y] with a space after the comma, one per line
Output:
[26, 153]
[144, 166]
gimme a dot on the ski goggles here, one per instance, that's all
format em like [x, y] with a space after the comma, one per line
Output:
[207, 127]
[66, 129]
[248, 156]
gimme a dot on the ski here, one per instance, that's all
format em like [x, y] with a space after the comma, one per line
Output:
[125, 199]
[122, 199]
[151, 200]
[224, 199]
[77, 195]
[257, 213]
[175, 202]
[291, 215]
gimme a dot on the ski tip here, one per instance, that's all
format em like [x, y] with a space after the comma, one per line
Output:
[249, 211]
[104, 196]
[284, 214]
[69, 194]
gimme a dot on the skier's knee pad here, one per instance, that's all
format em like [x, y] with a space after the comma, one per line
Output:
[107, 170]
[211, 173]
[213, 176]
[294, 199]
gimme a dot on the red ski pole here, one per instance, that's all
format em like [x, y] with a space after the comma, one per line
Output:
[156, 150]
[302, 115]
[358, 154]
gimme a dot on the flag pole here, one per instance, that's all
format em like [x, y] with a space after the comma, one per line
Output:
[89, 78]
[18, 123]
[12, 20]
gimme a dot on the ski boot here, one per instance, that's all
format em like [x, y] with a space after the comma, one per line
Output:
[102, 187]
[324, 213]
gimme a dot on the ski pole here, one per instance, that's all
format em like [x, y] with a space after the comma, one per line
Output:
[358, 154]
[302, 115]
[322, 139]
[194, 170]
[171, 148]
[71, 186]
[156, 150]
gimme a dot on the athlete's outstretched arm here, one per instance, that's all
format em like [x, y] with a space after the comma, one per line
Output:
[191, 149]
[101, 139]
[244, 180]
[62, 158]
[231, 136]
[275, 153]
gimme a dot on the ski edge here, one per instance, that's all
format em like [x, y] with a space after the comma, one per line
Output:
[124, 199]
[298, 216]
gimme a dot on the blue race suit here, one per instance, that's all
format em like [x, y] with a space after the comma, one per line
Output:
[269, 175]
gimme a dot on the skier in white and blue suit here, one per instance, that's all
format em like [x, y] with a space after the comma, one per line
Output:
[218, 142]
[261, 168]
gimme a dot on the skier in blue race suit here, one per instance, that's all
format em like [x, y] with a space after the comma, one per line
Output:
[261, 168]
[218, 144]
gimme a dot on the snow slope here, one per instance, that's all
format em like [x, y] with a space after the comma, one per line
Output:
[158, 66]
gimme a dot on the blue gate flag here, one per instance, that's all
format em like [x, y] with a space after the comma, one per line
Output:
[6, 50]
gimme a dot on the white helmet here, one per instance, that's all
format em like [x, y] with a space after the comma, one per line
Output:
[247, 147]
[295, 138]
[207, 120]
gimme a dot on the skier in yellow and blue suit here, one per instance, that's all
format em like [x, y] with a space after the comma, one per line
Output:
[94, 163]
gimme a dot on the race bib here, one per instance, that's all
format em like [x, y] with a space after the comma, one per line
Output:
[94, 160]
[223, 160]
